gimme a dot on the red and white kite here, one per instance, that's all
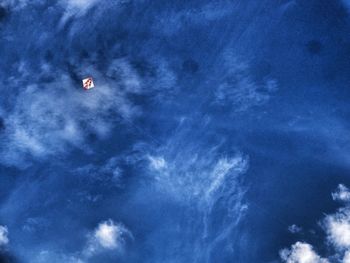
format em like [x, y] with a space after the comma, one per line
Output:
[88, 83]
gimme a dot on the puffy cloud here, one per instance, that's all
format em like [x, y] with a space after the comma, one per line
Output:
[342, 193]
[346, 258]
[107, 236]
[157, 163]
[4, 240]
[337, 229]
[301, 253]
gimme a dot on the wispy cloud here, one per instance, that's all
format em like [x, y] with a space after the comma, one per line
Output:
[55, 118]
[109, 171]
[204, 180]
[195, 176]
[81, 4]
[50, 115]
[172, 21]
[51, 120]
[238, 90]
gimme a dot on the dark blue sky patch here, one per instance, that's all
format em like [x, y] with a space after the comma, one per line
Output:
[3, 13]
[314, 47]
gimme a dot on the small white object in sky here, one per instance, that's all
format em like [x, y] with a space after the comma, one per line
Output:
[294, 229]
[88, 83]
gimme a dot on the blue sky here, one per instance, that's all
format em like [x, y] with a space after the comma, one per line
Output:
[217, 131]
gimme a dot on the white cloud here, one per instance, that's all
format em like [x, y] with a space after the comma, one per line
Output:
[301, 253]
[223, 168]
[202, 179]
[346, 258]
[107, 236]
[337, 227]
[75, 8]
[294, 229]
[47, 119]
[82, 4]
[342, 193]
[4, 240]
[195, 176]
[157, 163]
